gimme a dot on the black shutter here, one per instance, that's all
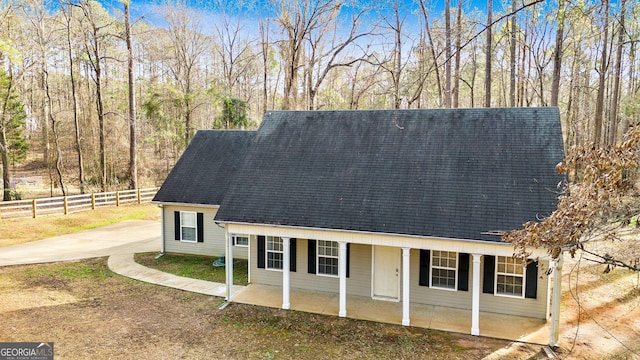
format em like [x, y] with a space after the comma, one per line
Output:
[463, 272]
[532, 280]
[200, 227]
[489, 271]
[311, 257]
[425, 260]
[348, 257]
[261, 252]
[292, 254]
[176, 225]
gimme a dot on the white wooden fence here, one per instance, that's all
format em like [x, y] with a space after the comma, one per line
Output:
[73, 203]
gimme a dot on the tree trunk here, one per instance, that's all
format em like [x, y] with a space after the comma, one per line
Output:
[597, 128]
[433, 51]
[100, 109]
[4, 150]
[615, 99]
[487, 69]
[512, 57]
[74, 98]
[631, 87]
[447, 51]
[133, 158]
[6, 174]
[265, 66]
[557, 56]
[456, 75]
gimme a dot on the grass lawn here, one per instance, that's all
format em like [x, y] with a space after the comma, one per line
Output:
[192, 266]
[22, 230]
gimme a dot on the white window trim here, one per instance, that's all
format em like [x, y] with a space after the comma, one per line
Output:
[267, 251]
[431, 267]
[318, 256]
[495, 280]
[235, 242]
[195, 227]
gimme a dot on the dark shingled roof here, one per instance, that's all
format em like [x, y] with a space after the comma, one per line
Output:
[459, 173]
[205, 170]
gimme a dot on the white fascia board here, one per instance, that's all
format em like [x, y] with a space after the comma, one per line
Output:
[382, 239]
[187, 205]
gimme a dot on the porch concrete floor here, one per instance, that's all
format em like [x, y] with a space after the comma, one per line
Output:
[425, 316]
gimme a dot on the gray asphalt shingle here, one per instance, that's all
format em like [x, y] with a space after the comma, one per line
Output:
[206, 168]
[456, 173]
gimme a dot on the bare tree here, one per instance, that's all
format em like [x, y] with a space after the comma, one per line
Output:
[234, 50]
[188, 47]
[456, 75]
[557, 55]
[321, 63]
[297, 21]
[432, 48]
[265, 47]
[133, 157]
[67, 11]
[487, 69]
[512, 57]
[602, 73]
[97, 34]
[37, 15]
[617, 74]
[447, 54]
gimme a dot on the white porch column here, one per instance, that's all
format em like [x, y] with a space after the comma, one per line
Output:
[286, 242]
[342, 274]
[555, 301]
[228, 265]
[475, 298]
[405, 286]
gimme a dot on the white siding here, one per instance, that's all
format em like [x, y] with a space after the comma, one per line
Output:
[358, 282]
[214, 234]
[434, 296]
[535, 308]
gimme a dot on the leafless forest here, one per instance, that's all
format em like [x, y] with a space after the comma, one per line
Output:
[95, 98]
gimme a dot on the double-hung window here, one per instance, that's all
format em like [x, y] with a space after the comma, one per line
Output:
[327, 257]
[444, 266]
[274, 253]
[241, 240]
[509, 277]
[188, 226]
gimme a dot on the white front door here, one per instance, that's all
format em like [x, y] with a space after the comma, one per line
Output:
[386, 273]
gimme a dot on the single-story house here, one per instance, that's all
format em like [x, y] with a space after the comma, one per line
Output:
[396, 205]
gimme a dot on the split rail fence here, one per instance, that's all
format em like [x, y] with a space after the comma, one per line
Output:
[73, 203]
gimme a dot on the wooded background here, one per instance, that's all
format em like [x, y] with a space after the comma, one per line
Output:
[94, 99]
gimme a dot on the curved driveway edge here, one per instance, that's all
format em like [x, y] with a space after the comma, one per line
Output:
[125, 237]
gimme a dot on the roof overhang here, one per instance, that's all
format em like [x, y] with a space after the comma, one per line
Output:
[497, 248]
[163, 203]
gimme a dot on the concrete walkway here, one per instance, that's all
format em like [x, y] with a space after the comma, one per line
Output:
[123, 264]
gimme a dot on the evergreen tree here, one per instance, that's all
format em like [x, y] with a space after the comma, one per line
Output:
[13, 143]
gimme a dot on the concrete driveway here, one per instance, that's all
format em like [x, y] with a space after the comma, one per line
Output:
[127, 237]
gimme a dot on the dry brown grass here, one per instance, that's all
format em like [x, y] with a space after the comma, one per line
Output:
[89, 312]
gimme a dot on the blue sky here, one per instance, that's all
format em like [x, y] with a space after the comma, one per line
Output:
[140, 8]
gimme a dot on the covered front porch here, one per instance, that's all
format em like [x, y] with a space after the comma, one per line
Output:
[425, 316]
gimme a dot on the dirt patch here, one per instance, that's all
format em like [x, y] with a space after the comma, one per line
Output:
[600, 312]
[114, 317]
